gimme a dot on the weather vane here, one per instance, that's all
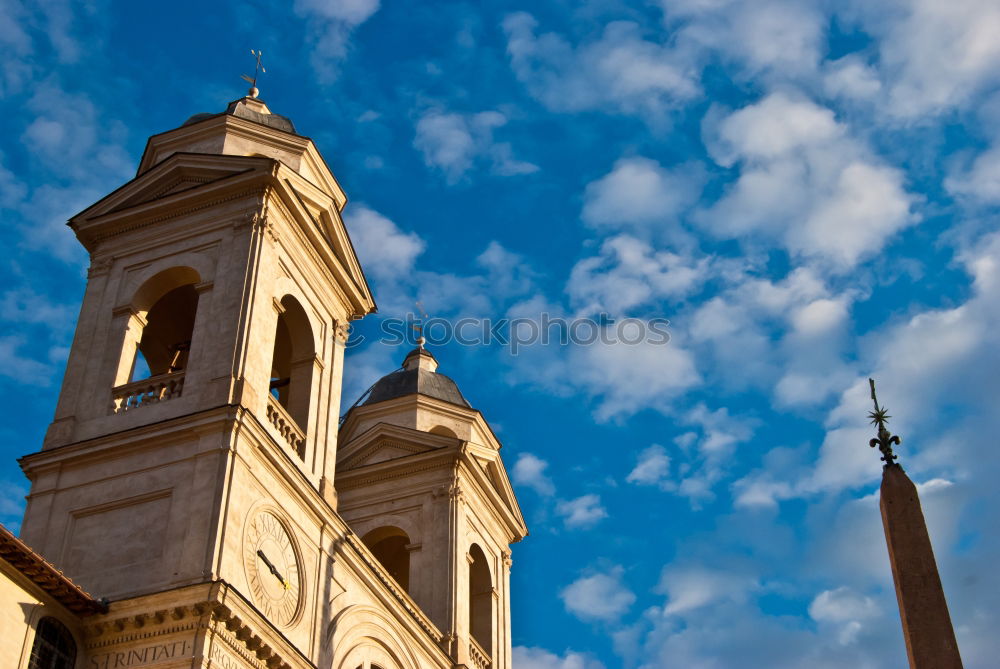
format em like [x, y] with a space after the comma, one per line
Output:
[257, 71]
[419, 326]
[884, 440]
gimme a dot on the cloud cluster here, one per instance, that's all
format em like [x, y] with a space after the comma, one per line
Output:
[330, 26]
[804, 182]
[598, 597]
[619, 71]
[454, 143]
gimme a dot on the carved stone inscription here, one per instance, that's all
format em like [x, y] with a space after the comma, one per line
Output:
[222, 659]
[139, 657]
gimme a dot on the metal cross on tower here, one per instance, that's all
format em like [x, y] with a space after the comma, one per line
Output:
[257, 71]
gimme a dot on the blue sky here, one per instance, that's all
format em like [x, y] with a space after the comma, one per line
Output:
[808, 191]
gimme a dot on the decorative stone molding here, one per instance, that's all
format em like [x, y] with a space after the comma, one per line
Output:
[143, 628]
[99, 266]
[172, 633]
[478, 655]
[240, 639]
[342, 331]
[177, 213]
[262, 223]
[447, 643]
[130, 396]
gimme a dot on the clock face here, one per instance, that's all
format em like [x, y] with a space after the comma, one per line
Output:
[272, 568]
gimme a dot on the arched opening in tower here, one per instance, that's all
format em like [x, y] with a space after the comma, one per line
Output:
[481, 600]
[166, 338]
[389, 544]
[292, 361]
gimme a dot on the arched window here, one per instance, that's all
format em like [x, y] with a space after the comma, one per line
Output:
[481, 600]
[54, 647]
[292, 366]
[166, 339]
[157, 333]
[389, 546]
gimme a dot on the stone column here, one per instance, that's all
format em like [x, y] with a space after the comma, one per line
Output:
[930, 639]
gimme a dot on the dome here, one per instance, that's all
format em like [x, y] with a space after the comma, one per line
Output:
[252, 110]
[417, 377]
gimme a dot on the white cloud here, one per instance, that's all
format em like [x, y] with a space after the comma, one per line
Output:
[652, 468]
[850, 78]
[936, 357]
[529, 470]
[20, 366]
[980, 180]
[25, 305]
[706, 453]
[620, 71]
[622, 379]
[692, 587]
[330, 25]
[12, 189]
[74, 138]
[630, 378]
[804, 182]
[629, 272]
[508, 274]
[364, 366]
[842, 605]
[454, 143]
[761, 38]
[788, 336]
[760, 492]
[539, 658]
[640, 192]
[385, 251]
[582, 512]
[845, 609]
[600, 597]
[936, 55]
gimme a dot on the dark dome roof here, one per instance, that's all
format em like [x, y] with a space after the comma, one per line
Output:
[404, 382]
[240, 108]
[417, 377]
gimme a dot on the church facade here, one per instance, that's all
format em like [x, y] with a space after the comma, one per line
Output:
[198, 500]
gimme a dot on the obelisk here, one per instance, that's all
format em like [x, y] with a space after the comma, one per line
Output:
[927, 630]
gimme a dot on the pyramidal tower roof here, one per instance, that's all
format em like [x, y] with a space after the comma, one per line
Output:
[251, 109]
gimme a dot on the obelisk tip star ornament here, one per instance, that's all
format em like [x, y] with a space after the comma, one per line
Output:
[885, 440]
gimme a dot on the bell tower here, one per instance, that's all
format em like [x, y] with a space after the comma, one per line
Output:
[421, 481]
[205, 373]
[196, 473]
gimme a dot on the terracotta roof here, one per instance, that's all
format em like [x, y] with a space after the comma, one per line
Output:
[20, 556]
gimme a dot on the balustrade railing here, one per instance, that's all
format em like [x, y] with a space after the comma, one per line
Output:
[478, 654]
[286, 426]
[160, 388]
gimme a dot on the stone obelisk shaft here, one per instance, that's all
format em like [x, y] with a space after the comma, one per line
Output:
[930, 639]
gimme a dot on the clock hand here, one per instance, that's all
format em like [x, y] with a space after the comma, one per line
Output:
[273, 569]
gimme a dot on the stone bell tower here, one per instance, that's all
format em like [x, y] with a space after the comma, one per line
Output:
[195, 434]
[421, 482]
[191, 475]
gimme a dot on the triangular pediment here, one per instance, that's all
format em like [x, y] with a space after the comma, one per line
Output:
[384, 443]
[384, 450]
[179, 173]
[490, 464]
